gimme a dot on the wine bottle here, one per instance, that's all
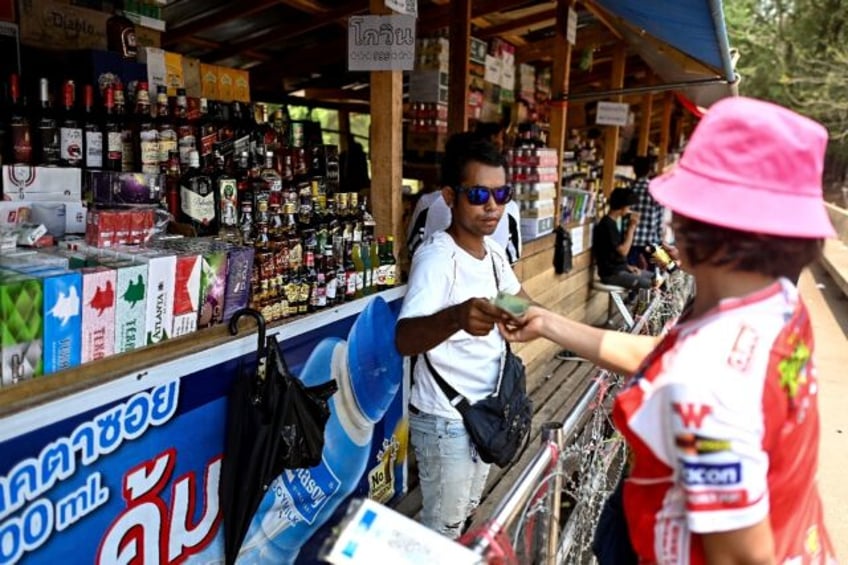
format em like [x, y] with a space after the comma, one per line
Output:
[94, 149]
[48, 131]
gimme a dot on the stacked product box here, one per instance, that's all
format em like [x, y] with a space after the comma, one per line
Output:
[224, 277]
[21, 328]
[161, 278]
[98, 313]
[61, 316]
[186, 293]
[533, 172]
[130, 302]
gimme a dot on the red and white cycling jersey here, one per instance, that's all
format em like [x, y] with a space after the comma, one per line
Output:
[722, 423]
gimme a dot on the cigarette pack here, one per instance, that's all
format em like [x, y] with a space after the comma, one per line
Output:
[186, 293]
[98, 313]
[21, 328]
[130, 303]
[161, 277]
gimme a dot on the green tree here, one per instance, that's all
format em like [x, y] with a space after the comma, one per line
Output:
[795, 53]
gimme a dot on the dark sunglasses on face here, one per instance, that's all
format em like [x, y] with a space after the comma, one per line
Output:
[479, 195]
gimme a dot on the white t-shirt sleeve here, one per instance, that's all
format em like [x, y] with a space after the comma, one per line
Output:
[717, 429]
[430, 279]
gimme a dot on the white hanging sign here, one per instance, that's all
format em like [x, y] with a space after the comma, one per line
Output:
[409, 7]
[381, 43]
[612, 114]
[571, 26]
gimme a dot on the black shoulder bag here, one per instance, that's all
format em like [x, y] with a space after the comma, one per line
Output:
[499, 425]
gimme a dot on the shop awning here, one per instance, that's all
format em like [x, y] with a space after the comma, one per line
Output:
[694, 27]
[683, 41]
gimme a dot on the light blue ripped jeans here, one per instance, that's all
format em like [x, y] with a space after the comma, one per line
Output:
[450, 473]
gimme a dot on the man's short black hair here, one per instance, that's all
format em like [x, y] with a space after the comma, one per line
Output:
[464, 148]
[621, 198]
[641, 166]
[488, 129]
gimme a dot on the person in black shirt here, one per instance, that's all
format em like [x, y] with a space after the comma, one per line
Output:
[610, 247]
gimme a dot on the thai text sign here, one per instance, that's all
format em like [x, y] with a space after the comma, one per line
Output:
[381, 43]
[612, 114]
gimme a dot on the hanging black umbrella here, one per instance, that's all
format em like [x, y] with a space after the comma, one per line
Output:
[274, 422]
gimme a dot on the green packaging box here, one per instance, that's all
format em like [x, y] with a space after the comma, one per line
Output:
[130, 303]
[21, 327]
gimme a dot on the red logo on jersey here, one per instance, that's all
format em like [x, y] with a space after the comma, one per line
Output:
[692, 414]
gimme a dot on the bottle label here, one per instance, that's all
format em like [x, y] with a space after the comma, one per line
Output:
[70, 145]
[331, 289]
[381, 275]
[301, 494]
[129, 47]
[350, 288]
[207, 143]
[114, 146]
[360, 280]
[149, 155]
[21, 143]
[127, 153]
[167, 143]
[93, 149]
[391, 275]
[186, 145]
[49, 144]
[229, 201]
[197, 203]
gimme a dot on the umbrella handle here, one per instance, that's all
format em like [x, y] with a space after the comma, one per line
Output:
[260, 322]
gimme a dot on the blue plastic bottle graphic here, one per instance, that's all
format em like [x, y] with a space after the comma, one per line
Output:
[368, 371]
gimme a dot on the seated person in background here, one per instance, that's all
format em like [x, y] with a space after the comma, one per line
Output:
[650, 228]
[491, 131]
[610, 247]
[431, 214]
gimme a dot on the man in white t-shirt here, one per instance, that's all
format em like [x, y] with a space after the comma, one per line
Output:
[447, 315]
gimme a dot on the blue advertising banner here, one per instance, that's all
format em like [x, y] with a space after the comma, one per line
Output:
[128, 471]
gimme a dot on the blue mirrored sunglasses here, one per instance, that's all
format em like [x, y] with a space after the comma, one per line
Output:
[479, 195]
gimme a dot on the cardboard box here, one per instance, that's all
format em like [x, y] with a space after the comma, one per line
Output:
[146, 37]
[21, 313]
[62, 297]
[53, 184]
[209, 81]
[53, 24]
[14, 213]
[226, 84]
[98, 313]
[241, 86]
[531, 228]
[191, 77]
[186, 294]
[130, 303]
[161, 276]
[239, 270]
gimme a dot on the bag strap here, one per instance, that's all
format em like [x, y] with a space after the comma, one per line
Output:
[455, 398]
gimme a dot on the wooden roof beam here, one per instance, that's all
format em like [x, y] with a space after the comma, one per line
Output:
[280, 33]
[214, 18]
[309, 6]
[517, 25]
[440, 16]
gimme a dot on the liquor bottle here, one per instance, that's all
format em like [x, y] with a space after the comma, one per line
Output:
[242, 127]
[280, 124]
[350, 274]
[225, 186]
[94, 149]
[374, 249]
[273, 180]
[330, 273]
[48, 130]
[186, 137]
[19, 126]
[661, 257]
[172, 185]
[199, 204]
[389, 263]
[120, 35]
[70, 130]
[358, 258]
[147, 136]
[128, 150]
[112, 132]
[246, 223]
[206, 131]
[165, 127]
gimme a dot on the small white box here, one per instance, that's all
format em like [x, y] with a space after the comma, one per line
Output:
[40, 184]
[531, 228]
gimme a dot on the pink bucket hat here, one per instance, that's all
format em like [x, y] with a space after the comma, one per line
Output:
[751, 166]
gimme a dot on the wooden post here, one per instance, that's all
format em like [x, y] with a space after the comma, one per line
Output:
[645, 125]
[386, 142]
[611, 133]
[344, 130]
[560, 81]
[460, 51]
[665, 130]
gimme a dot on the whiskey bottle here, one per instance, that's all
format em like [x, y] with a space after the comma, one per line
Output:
[199, 204]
